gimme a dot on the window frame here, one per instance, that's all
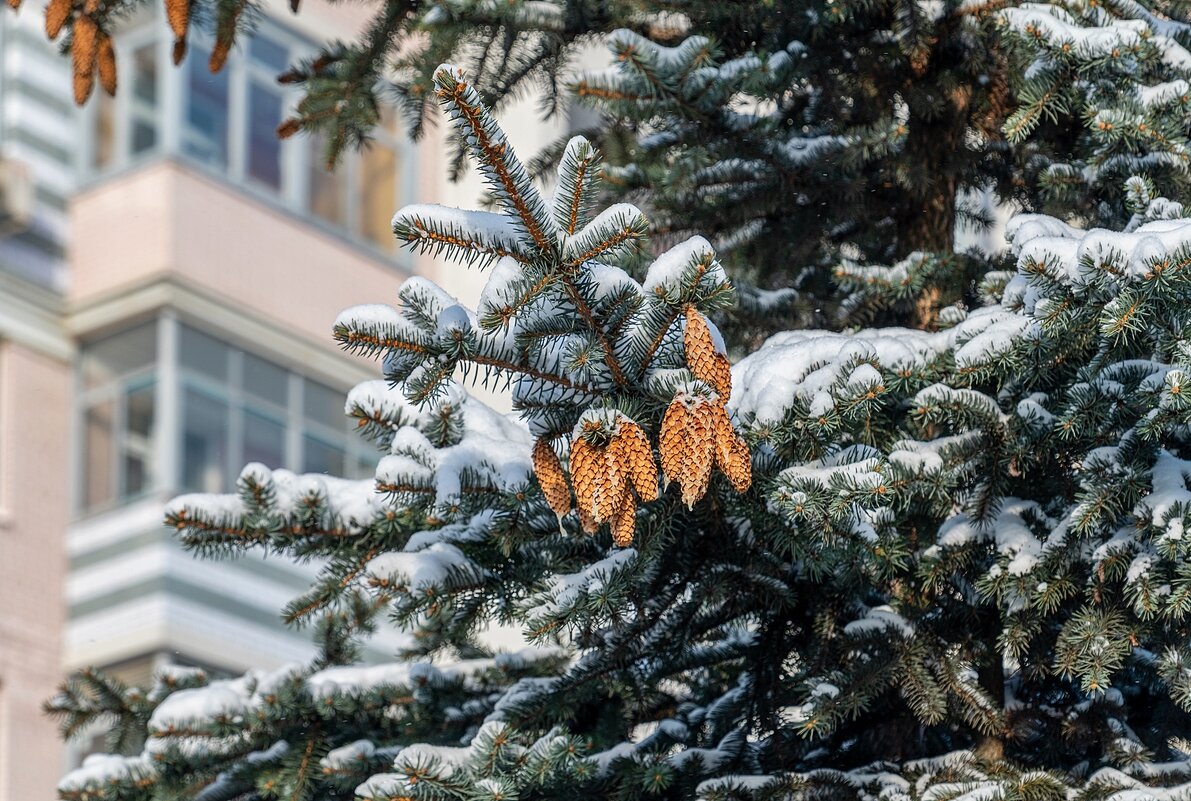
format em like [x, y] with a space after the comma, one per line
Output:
[116, 392]
[296, 154]
[171, 381]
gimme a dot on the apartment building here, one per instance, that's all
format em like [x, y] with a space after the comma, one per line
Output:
[169, 273]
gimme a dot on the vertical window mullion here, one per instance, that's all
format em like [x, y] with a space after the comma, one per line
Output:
[167, 399]
[237, 110]
[173, 97]
[235, 420]
[293, 428]
[119, 440]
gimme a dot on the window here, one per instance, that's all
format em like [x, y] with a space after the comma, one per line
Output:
[233, 408]
[227, 122]
[328, 188]
[206, 132]
[118, 401]
[240, 408]
[143, 99]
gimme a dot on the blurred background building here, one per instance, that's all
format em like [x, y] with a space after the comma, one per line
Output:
[169, 274]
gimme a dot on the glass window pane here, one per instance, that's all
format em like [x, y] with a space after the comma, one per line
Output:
[264, 148]
[378, 182]
[264, 440]
[328, 188]
[144, 136]
[138, 410]
[204, 443]
[266, 380]
[203, 353]
[111, 357]
[138, 441]
[206, 113]
[321, 457]
[269, 52]
[324, 405]
[105, 132]
[144, 74]
[97, 456]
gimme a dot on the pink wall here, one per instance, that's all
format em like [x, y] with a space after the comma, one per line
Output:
[34, 410]
[170, 220]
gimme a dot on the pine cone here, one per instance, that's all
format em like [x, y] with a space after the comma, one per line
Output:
[178, 14]
[587, 522]
[635, 455]
[611, 486]
[732, 453]
[56, 14]
[179, 51]
[551, 477]
[84, 47]
[687, 446]
[107, 65]
[586, 464]
[219, 54]
[707, 363]
[624, 522]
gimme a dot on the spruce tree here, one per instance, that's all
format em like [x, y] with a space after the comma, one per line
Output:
[888, 563]
[803, 138]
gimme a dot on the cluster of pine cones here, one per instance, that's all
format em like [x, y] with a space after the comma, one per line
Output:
[91, 50]
[611, 459]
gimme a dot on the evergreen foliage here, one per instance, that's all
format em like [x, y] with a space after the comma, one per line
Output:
[960, 569]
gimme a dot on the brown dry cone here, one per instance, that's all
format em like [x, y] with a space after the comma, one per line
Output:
[587, 522]
[551, 478]
[219, 54]
[83, 84]
[56, 14]
[611, 486]
[179, 51]
[699, 451]
[705, 361]
[624, 522]
[670, 439]
[178, 14]
[687, 445]
[634, 453]
[586, 465]
[732, 453]
[107, 65]
[84, 47]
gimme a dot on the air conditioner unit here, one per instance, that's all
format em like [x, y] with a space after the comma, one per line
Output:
[16, 196]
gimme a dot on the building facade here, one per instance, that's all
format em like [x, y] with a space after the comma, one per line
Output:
[169, 274]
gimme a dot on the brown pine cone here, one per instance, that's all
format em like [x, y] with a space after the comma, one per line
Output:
[687, 446]
[587, 522]
[611, 486]
[732, 453]
[704, 360]
[586, 464]
[670, 439]
[551, 478]
[56, 14]
[178, 14]
[84, 47]
[106, 59]
[624, 522]
[635, 455]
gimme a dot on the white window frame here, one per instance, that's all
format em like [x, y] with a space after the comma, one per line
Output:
[296, 154]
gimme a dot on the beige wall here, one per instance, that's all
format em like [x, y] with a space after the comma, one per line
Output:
[168, 220]
[34, 415]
